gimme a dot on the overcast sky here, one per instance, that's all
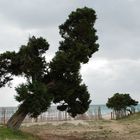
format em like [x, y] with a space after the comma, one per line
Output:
[114, 68]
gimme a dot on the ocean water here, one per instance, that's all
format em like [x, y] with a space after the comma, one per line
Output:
[9, 111]
[105, 110]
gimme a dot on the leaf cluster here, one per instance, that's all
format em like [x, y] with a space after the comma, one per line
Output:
[120, 101]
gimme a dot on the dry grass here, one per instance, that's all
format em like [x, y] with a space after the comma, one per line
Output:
[125, 129]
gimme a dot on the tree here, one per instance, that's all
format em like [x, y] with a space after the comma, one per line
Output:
[58, 81]
[119, 103]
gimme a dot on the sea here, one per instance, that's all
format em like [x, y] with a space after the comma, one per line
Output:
[92, 109]
[105, 110]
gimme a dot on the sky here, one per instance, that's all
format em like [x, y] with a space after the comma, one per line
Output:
[114, 68]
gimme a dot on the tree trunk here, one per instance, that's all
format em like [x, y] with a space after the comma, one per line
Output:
[16, 120]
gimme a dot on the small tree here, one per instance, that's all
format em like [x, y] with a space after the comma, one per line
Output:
[58, 81]
[119, 103]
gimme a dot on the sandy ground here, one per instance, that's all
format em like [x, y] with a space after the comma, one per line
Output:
[87, 130]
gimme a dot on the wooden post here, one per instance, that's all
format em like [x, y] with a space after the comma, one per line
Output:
[66, 115]
[112, 115]
[4, 116]
[36, 119]
[59, 115]
[3, 113]
[95, 113]
[99, 113]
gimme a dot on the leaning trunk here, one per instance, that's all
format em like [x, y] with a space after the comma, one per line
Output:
[16, 120]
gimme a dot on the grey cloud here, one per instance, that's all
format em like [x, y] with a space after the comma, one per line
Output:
[7, 97]
[110, 77]
[114, 68]
[36, 14]
[118, 28]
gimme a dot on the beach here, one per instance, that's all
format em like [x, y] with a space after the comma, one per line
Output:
[125, 129]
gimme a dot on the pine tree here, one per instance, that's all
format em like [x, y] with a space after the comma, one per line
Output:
[58, 81]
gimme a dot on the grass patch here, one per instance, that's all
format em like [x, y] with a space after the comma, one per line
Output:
[135, 118]
[8, 134]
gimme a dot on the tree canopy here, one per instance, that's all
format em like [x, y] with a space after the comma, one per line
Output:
[121, 102]
[58, 81]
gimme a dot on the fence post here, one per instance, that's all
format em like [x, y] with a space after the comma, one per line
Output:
[4, 115]
[36, 119]
[99, 113]
[59, 115]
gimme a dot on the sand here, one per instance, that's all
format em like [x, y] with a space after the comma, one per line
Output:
[126, 129]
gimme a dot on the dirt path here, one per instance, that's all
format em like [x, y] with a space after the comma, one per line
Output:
[52, 137]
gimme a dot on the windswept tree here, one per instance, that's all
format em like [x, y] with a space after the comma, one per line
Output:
[119, 103]
[58, 81]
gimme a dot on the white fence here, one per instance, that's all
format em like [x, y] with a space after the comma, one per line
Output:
[51, 115]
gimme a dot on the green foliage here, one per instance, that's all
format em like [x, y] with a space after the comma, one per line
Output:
[58, 81]
[6, 61]
[77, 47]
[35, 97]
[121, 101]
[79, 35]
[8, 134]
[135, 118]
[28, 61]
[31, 60]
